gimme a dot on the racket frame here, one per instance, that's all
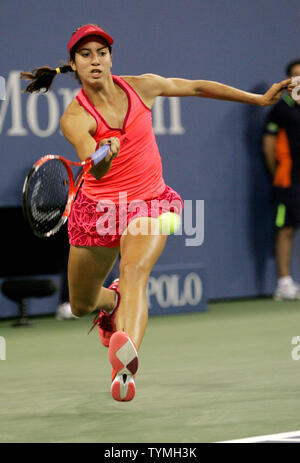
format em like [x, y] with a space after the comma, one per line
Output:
[74, 186]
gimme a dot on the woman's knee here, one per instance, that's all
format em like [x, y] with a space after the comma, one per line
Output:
[81, 308]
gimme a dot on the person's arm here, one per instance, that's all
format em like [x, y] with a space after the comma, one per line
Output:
[76, 126]
[151, 86]
[269, 150]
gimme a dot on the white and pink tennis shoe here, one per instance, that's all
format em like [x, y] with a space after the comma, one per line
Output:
[123, 357]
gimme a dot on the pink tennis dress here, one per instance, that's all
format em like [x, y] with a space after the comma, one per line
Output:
[133, 187]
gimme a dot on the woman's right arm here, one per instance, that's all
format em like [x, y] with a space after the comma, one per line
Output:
[77, 127]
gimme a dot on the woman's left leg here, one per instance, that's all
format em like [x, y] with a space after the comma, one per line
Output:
[139, 253]
[138, 256]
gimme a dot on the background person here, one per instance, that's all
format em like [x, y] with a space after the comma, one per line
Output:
[281, 147]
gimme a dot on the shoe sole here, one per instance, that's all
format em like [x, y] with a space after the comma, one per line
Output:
[123, 388]
[123, 357]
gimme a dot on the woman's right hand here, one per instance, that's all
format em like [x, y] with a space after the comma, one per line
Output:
[104, 166]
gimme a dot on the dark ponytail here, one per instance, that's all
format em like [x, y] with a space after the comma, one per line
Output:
[43, 77]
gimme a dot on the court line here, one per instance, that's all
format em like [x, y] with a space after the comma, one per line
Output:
[271, 437]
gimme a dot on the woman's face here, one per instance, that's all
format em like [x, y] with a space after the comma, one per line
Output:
[93, 61]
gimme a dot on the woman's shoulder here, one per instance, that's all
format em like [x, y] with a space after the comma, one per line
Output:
[73, 109]
[75, 114]
[142, 80]
[145, 86]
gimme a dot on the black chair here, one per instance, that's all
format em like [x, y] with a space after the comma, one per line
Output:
[20, 290]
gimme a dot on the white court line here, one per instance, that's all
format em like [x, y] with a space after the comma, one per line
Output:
[270, 437]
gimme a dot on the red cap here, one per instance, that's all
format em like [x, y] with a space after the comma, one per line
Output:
[85, 31]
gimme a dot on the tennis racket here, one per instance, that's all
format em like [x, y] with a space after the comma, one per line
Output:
[50, 189]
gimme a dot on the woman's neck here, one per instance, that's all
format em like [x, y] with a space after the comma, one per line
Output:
[104, 92]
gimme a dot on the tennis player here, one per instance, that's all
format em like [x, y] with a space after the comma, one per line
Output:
[117, 110]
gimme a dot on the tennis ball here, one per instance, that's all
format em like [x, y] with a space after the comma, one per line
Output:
[169, 223]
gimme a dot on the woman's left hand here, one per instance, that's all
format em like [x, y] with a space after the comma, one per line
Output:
[275, 91]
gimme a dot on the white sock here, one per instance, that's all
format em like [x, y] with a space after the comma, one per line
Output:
[117, 301]
[115, 306]
[285, 281]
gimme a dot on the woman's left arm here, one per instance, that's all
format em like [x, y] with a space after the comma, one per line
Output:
[216, 90]
[152, 85]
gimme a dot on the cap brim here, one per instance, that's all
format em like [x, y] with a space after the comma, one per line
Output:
[82, 34]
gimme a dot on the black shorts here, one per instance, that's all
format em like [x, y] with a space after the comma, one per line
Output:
[287, 206]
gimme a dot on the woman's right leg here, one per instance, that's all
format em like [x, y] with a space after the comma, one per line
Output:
[88, 268]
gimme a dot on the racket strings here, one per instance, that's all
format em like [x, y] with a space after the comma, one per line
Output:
[47, 195]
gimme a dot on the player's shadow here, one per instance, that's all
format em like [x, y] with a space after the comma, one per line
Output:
[260, 218]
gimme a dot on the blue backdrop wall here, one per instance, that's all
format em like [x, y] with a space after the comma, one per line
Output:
[210, 149]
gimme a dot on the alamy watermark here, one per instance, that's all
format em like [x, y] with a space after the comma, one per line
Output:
[2, 88]
[121, 218]
[2, 348]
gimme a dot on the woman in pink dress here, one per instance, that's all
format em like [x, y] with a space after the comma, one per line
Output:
[114, 211]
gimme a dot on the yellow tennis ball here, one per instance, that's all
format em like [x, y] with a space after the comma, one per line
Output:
[169, 223]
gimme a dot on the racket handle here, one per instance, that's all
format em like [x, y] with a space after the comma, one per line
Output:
[100, 154]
